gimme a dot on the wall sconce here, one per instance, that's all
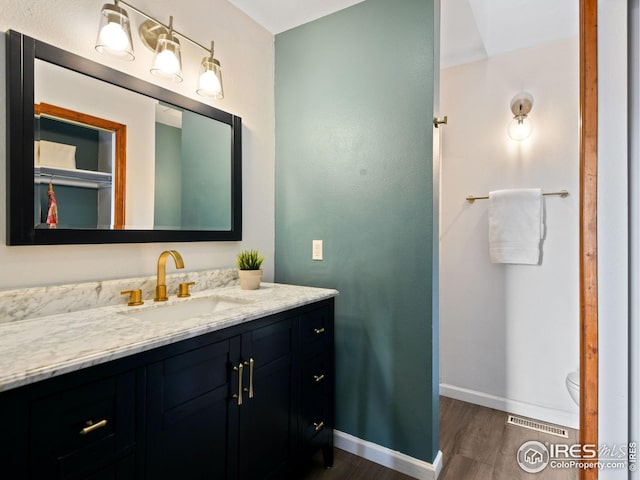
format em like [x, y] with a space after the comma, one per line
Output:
[210, 78]
[167, 61]
[114, 38]
[114, 34]
[521, 127]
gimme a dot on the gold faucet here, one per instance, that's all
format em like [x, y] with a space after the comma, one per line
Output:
[161, 287]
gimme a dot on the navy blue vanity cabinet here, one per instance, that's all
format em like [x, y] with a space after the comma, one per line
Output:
[248, 402]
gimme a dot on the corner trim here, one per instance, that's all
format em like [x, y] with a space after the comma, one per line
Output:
[545, 414]
[389, 458]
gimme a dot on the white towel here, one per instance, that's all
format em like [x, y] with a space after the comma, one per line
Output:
[55, 154]
[515, 226]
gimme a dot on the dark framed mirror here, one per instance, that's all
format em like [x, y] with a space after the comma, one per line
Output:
[97, 156]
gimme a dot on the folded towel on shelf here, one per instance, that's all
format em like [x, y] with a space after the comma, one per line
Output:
[54, 154]
[515, 225]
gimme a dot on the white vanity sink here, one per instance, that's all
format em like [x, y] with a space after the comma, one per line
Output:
[185, 309]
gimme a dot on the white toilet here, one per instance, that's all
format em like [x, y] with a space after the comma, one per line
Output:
[573, 385]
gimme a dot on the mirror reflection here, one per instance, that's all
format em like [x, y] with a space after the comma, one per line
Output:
[192, 178]
[111, 158]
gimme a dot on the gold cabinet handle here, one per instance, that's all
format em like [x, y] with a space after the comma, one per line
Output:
[250, 364]
[318, 426]
[318, 331]
[238, 395]
[318, 378]
[90, 426]
[135, 298]
[183, 289]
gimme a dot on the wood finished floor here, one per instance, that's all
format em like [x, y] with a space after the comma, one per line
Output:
[476, 444]
[349, 467]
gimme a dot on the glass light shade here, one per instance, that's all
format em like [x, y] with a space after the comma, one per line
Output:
[167, 62]
[114, 33]
[520, 128]
[210, 79]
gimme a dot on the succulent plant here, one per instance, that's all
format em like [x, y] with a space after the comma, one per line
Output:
[249, 260]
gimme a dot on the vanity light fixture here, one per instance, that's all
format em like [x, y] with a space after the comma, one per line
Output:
[114, 38]
[520, 127]
[114, 34]
[167, 62]
[210, 78]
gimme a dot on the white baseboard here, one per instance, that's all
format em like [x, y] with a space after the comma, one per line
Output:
[389, 458]
[549, 415]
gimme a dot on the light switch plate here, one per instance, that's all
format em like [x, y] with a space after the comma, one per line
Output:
[316, 250]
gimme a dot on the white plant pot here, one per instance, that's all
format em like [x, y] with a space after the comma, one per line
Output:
[250, 279]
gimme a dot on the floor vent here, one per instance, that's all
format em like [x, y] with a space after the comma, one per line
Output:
[537, 426]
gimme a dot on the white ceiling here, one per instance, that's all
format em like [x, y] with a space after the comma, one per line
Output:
[280, 15]
[476, 29]
[470, 30]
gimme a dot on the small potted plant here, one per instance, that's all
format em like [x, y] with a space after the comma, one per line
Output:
[249, 272]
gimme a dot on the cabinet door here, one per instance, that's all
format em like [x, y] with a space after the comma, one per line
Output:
[188, 400]
[265, 416]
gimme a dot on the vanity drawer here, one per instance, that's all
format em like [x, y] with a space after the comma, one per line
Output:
[315, 331]
[82, 429]
[316, 377]
[315, 418]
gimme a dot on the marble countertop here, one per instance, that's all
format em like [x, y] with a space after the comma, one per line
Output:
[36, 349]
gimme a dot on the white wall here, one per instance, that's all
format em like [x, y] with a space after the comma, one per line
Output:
[246, 52]
[509, 334]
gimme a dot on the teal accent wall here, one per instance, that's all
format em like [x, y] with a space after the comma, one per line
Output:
[206, 170]
[192, 189]
[77, 206]
[167, 205]
[354, 137]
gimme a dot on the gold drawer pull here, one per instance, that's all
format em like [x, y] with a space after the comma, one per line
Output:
[318, 426]
[238, 395]
[250, 364]
[90, 426]
[318, 331]
[318, 378]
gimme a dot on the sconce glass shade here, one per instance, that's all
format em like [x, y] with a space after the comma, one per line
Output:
[520, 128]
[114, 33]
[210, 79]
[167, 61]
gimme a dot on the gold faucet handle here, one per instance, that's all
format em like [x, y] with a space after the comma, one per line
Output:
[183, 289]
[135, 298]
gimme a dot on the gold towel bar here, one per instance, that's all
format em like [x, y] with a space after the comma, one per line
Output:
[562, 193]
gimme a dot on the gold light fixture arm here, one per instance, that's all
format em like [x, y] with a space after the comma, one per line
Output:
[167, 27]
